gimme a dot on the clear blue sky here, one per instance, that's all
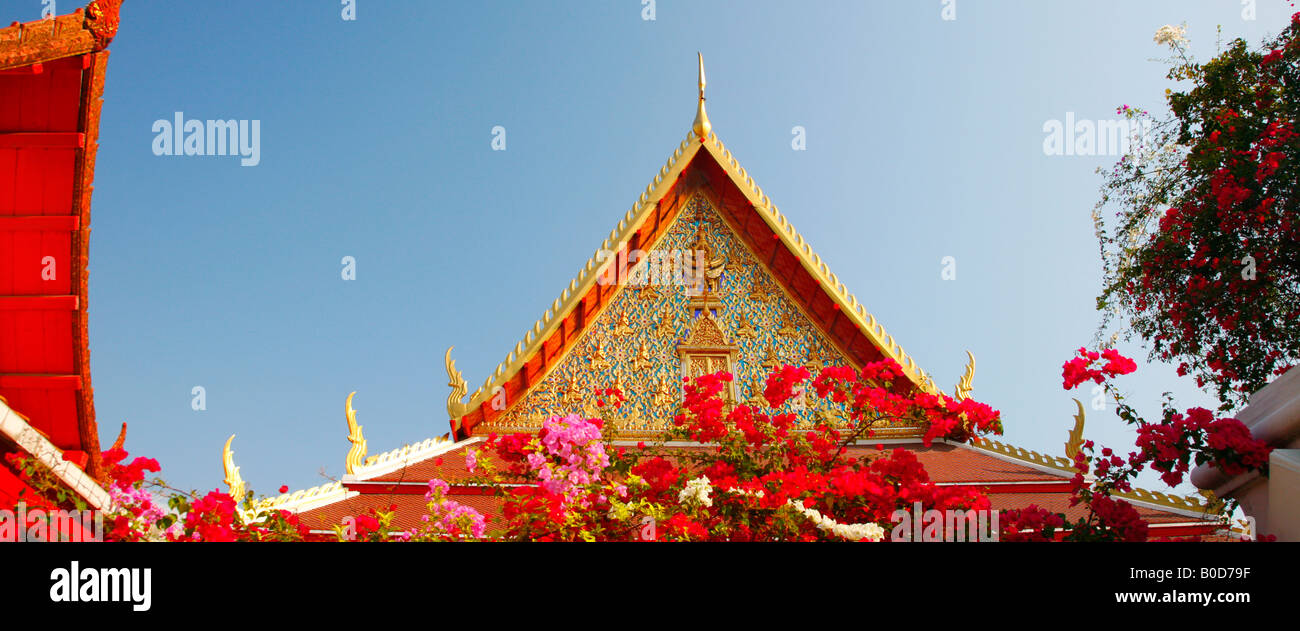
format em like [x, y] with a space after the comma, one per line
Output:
[924, 140]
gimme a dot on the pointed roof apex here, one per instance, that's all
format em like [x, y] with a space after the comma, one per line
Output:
[701, 126]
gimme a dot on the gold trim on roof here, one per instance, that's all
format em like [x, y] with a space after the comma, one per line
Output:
[1189, 503]
[1026, 455]
[645, 205]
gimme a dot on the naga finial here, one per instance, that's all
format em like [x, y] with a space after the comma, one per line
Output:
[701, 126]
[357, 454]
[233, 481]
[456, 380]
[964, 385]
[1075, 442]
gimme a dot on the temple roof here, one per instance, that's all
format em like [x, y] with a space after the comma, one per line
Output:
[51, 87]
[1009, 483]
[700, 164]
[701, 167]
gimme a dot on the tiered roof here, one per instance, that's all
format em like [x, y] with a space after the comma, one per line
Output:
[703, 176]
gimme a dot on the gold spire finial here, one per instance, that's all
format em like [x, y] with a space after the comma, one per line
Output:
[1075, 443]
[357, 453]
[965, 384]
[233, 481]
[701, 127]
[456, 381]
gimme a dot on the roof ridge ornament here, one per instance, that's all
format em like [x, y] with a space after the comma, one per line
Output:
[233, 481]
[965, 385]
[456, 381]
[701, 126]
[357, 453]
[1074, 443]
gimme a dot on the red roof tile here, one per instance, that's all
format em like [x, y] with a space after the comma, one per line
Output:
[410, 509]
[946, 464]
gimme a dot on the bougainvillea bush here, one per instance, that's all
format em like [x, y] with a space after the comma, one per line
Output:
[1170, 446]
[749, 474]
[1200, 226]
[756, 475]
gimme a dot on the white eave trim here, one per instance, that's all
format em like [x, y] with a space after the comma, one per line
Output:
[391, 461]
[18, 430]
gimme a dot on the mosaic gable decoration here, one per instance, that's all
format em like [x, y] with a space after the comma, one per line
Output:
[651, 336]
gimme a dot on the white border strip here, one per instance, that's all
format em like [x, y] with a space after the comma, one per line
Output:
[391, 461]
[26, 436]
[307, 499]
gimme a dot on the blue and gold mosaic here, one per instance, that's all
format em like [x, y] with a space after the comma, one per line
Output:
[648, 337]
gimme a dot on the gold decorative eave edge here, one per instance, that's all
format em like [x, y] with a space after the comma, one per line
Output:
[527, 348]
[1190, 505]
[1051, 464]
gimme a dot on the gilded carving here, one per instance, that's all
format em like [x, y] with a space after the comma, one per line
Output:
[705, 331]
[667, 326]
[642, 362]
[760, 288]
[573, 389]
[744, 328]
[787, 325]
[662, 395]
[597, 360]
[816, 361]
[623, 328]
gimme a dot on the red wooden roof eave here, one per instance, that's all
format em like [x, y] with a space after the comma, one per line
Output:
[87, 33]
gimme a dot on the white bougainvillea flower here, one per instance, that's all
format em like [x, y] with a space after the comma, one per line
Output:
[1171, 35]
[696, 492]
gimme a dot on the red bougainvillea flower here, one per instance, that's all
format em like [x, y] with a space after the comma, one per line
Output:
[1084, 367]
